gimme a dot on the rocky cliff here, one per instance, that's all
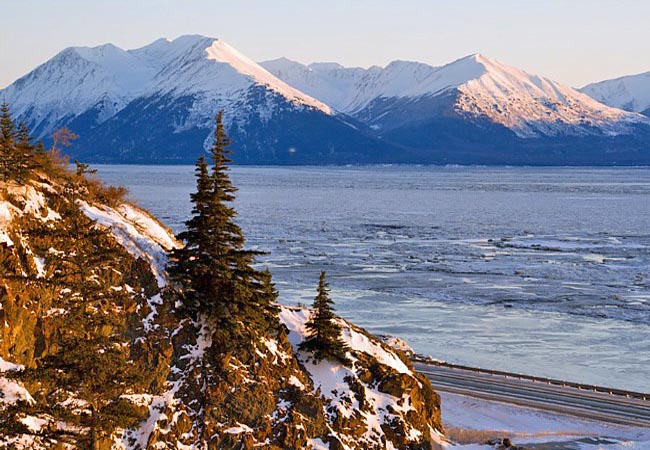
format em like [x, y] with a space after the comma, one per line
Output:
[96, 351]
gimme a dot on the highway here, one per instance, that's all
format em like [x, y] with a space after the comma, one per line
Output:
[587, 402]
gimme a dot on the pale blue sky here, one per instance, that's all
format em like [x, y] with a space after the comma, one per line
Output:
[571, 41]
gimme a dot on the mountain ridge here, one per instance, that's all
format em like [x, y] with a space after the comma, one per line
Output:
[155, 105]
[486, 86]
[629, 92]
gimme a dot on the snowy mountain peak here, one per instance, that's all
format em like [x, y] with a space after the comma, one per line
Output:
[531, 105]
[102, 80]
[348, 89]
[221, 52]
[173, 87]
[631, 92]
[481, 87]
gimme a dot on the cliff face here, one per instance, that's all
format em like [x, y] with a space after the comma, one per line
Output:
[96, 353]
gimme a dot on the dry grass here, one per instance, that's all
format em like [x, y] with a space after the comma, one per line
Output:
[107, 195]
[470, 436]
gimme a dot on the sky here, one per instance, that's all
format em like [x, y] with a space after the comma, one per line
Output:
[574, 42]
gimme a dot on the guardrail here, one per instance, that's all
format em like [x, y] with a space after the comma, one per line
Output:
[550, 381]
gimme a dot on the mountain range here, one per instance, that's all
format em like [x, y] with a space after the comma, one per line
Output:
[156, 104]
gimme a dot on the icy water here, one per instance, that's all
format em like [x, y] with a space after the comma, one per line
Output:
[544, 271]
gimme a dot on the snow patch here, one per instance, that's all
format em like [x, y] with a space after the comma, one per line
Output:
[240, 428]
[362, 343]
[6, 366]
[11, 391]
[294, 381]
[330, 378]
[137, 232]
[33, 203]
[397, 344]
[34, 424]
[40, 266]
[318, 444]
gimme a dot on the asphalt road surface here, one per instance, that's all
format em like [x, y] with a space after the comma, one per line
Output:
[550, 395]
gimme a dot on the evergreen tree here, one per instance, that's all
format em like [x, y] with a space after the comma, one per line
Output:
[191, 266]
[7, 141]
[213, 270]
[23, 155]
[16, 149]
[324, 338]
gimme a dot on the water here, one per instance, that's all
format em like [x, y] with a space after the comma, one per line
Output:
[544, 271]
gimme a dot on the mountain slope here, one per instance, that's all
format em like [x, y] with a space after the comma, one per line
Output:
[631, 93]
[157, 104]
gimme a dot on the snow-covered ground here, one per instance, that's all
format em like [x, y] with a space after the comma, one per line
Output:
[531, 426]
[12, 391]
[137, 232]
[334, 380]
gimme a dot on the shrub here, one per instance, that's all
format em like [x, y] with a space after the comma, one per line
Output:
[108, 195]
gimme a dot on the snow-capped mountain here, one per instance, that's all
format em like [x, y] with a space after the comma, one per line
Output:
[631, 93]
[350, 89]
[107, 77]
[74, 81]
[475, 87]
[158, 103]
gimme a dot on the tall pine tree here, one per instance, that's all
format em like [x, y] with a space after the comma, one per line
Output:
[16, 149]
[23, 155]
[7, 141]
[213, 270]
[324, 338]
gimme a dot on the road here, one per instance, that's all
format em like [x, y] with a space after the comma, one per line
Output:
[583, 401]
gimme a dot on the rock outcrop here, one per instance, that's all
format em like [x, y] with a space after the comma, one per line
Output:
[97, 353]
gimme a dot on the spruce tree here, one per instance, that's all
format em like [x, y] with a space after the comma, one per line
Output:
[213, 270]
[16, 149]
[324, 338]
[7, 141]
[191, 266]
[23, 155]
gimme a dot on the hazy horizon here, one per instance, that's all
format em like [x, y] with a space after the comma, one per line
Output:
[575, 44]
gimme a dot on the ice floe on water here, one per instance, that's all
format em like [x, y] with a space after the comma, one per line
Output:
[496, 267]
